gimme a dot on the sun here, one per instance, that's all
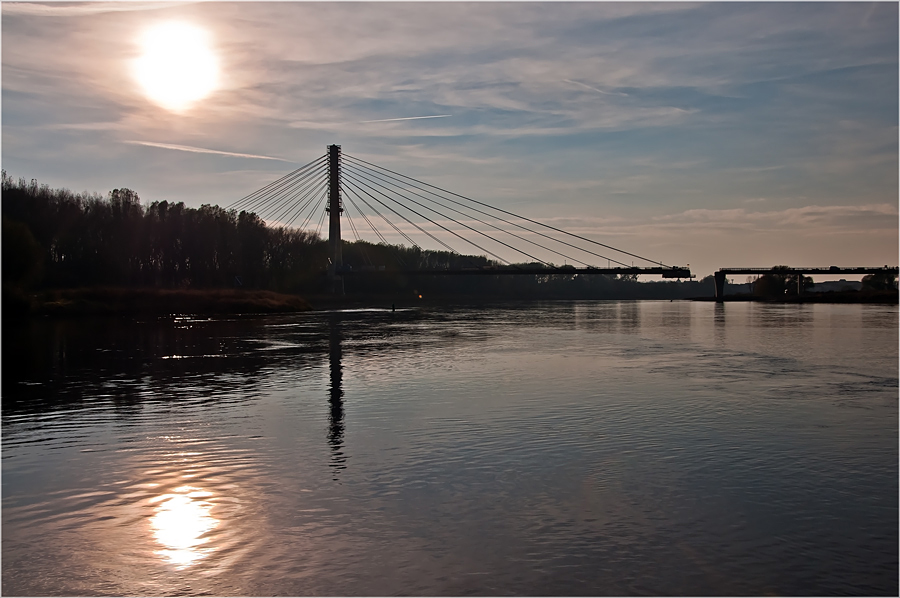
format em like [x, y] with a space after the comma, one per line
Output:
[177, 66]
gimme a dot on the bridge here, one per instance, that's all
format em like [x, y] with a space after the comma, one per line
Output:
[333, 183]
[722, 273]
[377, 194]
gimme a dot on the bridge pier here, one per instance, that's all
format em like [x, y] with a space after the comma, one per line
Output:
[334, 209]
[720, 286]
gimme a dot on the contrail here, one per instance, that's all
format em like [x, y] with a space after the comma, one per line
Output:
[608, 93]
[201, 150]
[865, 20]
[29, 8]
[384, 120]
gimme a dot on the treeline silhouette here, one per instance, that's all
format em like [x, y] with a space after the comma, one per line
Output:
[54, 238]
[780, 282]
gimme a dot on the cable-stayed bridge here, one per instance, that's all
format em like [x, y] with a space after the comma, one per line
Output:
[338, 186]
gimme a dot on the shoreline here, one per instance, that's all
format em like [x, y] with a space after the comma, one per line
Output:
[100, 301]
[117, 301]
[879, 297]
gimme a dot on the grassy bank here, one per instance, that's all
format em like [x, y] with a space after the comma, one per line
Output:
[127, 301]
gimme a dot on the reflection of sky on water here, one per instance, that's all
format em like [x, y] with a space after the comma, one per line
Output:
[181, 520]
[556, 449]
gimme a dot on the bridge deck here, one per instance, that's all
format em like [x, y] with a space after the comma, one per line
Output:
[828, 270]
[664, 272]
[833, 270]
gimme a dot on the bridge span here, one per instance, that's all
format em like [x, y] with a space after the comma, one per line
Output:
[335, 182]
[665, 272]
[721, 274]
[413, 207]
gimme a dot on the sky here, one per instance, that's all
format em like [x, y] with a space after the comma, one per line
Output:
[711, 135]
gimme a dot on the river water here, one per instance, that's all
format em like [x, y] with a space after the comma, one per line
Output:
[546, 448]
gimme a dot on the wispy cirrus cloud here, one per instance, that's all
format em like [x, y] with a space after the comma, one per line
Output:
[629, 119]
[606, 93]
[202, 150]
[842, 219]
[385, 120]
[87, 126]
[85, 9]
[856, 218]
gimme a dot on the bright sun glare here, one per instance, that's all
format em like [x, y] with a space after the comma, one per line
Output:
[180, 522]
[177, 66]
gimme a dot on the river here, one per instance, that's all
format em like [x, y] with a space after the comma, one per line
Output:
[550, 448]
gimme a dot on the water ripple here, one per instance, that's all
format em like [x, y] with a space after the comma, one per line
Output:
[563, 448]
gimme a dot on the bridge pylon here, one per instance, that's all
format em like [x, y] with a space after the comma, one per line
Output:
[334, 209]
[720, 286]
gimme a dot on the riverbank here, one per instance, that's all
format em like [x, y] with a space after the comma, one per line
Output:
[881, 297]
[126, 301]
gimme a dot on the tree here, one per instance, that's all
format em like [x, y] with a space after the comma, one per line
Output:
[253, 258]
[773, 283]
[22, 255]
[881, 281]
[806, 283]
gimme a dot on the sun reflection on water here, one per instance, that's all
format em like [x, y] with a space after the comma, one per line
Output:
[180, 523]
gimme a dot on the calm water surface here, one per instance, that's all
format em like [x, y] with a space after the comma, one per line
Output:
[552, 448]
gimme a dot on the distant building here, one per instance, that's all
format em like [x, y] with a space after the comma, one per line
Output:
[733, 289]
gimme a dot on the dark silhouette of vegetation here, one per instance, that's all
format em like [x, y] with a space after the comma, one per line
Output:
[22, 257]
[86, 240]
[57, 239]
[882, 281]
[780, 282]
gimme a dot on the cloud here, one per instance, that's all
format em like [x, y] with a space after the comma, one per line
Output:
[328, 125]
[384, 120]
[86, 9]
[663, 116]
[608, 93]
[813, 217]
[200, 150]
[87, 126]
